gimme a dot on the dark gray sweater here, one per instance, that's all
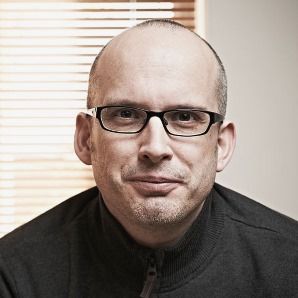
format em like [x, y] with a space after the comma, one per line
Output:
[235, 248]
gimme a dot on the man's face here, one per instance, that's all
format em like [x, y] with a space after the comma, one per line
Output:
[152, 178]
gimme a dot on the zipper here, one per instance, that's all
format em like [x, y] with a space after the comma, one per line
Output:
[151, 277]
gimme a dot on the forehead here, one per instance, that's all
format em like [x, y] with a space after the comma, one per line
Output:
[157, 67]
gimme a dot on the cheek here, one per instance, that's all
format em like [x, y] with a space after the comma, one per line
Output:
[198, 153]
[99, 152]
[109, 154]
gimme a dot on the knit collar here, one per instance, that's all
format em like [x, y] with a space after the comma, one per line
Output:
[177, 264]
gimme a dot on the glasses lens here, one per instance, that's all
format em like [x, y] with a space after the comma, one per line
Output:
[187, 122]
[123, 119]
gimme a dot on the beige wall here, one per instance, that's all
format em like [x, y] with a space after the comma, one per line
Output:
[258, 43]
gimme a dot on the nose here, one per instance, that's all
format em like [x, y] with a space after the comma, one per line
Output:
[154, 145]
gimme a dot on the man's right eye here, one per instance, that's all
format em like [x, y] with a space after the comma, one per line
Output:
[121, 113]
[127, 114]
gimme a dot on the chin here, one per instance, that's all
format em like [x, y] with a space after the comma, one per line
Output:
[159, 211]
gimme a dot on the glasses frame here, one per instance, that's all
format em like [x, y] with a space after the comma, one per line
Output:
[214, 118]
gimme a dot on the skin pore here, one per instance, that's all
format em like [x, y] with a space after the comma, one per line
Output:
[153, 183]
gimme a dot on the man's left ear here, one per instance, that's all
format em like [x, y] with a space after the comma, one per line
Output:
[225, 144]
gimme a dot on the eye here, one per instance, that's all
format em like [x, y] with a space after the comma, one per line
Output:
[184, 116]
[126, 114]
[187, 117]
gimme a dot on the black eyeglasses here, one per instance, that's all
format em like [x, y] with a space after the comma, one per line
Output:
[178, 122]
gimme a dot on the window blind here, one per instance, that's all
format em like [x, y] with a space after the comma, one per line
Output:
[46, 51]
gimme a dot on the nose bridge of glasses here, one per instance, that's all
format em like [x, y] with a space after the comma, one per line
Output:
[155, 130]
[159, 115]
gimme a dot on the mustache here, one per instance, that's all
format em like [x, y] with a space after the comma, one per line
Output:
[128, 172]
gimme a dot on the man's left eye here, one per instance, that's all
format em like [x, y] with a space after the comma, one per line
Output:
[185, 116]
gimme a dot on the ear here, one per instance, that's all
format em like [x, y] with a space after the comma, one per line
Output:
[225, 144]
[82, 139]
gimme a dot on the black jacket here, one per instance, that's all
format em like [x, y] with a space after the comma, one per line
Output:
[235, 248]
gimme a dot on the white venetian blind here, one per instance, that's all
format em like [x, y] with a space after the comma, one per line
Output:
[46, 51]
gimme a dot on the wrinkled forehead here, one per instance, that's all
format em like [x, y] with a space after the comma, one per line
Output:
[157, 53]
[153, 44]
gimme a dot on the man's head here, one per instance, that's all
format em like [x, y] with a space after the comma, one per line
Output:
[221, 79]
[151, 180]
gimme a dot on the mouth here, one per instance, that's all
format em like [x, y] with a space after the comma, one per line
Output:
[154, 185]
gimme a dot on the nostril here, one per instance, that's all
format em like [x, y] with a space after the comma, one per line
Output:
[154, 158]
[146, 156]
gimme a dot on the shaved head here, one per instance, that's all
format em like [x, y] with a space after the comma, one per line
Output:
[123, 45]
[157, 66]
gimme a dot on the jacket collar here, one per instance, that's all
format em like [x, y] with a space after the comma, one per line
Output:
[177, 264]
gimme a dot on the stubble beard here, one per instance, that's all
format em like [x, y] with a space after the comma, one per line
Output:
[172, 209]
[153, 212]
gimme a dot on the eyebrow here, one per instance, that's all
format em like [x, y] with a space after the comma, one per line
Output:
[188, 106]
[131, 103]
[120, 101]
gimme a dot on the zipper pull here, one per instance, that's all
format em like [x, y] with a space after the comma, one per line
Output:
[150, 279]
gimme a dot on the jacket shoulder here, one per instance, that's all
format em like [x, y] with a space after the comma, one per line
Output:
[244, 210]
[49, 223]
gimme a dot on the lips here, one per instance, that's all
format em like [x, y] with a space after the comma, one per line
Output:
[154, 185]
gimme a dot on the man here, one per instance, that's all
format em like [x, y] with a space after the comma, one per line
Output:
[156, 225]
